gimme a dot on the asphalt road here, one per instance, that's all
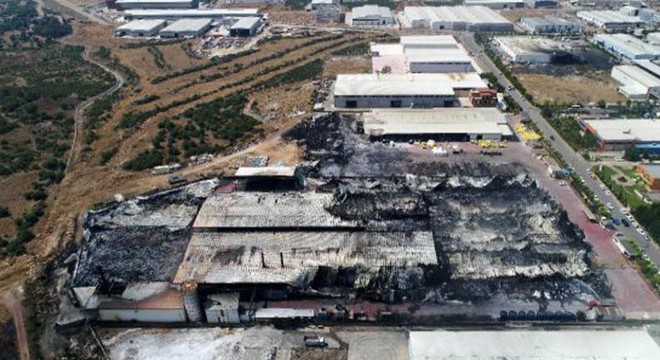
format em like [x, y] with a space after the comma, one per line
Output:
[578, 163]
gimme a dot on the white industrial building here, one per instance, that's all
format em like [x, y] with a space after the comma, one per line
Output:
[140, 28]
[529, 49]
[548, 25]
[247, 26]
[326, 11]
[186, 28]
[541, 4]
[627, 47]
[456, 124]
[533, 344]
[156, 4]
[611, 20]
[636, 82]
[142, 302]
[371, 15]
[191, 13]
[402, 90]
[496, 4]
[471, 18]
[422, 54]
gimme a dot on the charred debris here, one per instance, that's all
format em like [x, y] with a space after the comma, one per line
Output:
[409, 230]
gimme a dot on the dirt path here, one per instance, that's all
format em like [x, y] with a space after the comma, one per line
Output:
[12, 303]
[79, 116]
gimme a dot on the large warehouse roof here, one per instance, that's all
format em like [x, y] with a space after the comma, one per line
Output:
[545, 21]
[190, 13]
[230, 257]
[437, 55]
[266, 171]
[608, 17]
[639, 75]
[141, 25]
[546, 345]
[268, 210]
[405, 84]
[185, 25]
[626, 130]
[627, 44]
[450, 14]
[429, 41]
[436, 121]
[246, 22]
[371, 11]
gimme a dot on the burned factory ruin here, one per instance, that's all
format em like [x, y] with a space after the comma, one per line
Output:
[360, 229]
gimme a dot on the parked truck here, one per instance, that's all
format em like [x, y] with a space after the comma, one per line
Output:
[315, 341]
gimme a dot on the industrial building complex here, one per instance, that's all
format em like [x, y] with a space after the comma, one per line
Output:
[636, 82]
[403, 90]
[422, 54]
[190, 13]
[622, 134]
[627, 47]
[186, 28]
[611, 20]
[472, 18]
[548, 25]
[371, 15]
[452, 124]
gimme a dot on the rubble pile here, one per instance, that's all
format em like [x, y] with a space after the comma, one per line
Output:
[495, 231]
[139, 240]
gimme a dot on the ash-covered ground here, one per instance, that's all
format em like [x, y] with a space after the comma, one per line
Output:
[497, 234]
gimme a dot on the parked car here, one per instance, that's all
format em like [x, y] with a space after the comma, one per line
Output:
[641, 231]
[625, 222]
[616, 221]
[610, 206]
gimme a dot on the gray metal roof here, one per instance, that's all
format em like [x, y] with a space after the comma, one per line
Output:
[184, 25]
[246, 23]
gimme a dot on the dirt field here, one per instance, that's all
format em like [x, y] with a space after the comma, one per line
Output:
[347, 65]
[570, 89]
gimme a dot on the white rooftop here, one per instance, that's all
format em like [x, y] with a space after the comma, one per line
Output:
[628, 44]
[450, 14]
[371, 11]
[211, 13]
[429, 41]
[640, 75]
[437, 56]
[436, 121]
[405, 84]
[141, 25]
[277, 171]
[533, 344]
[246, 22]
[649, 66]
[609, 16]
[626, 130]
[188, 25]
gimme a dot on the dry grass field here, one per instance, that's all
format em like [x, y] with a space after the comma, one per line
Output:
[570, 89]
